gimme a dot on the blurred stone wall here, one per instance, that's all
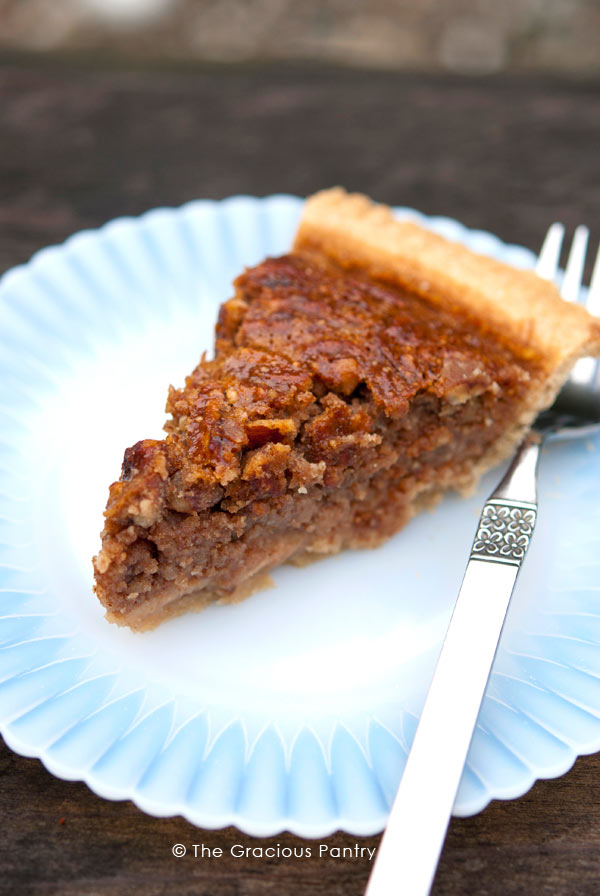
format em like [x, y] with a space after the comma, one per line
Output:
[470, 36]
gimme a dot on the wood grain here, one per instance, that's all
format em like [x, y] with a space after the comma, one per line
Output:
[80, 145]
[59, 838]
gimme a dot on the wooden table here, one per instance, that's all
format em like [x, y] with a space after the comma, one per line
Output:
[80, 145]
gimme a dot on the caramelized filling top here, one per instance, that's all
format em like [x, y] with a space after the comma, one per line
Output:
[312, 364]
[348, 330]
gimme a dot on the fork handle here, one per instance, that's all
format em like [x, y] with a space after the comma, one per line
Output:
[408, 854]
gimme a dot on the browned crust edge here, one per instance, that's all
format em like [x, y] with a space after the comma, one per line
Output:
[355, 232]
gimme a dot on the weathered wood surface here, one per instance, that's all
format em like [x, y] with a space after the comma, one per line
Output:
[59, 838]
[79, 146]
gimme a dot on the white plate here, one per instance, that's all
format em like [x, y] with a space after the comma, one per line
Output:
[296, 708]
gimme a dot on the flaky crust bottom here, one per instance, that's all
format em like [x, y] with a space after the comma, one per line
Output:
[163, 607]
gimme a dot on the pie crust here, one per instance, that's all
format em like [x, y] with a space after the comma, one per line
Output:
[354, 381]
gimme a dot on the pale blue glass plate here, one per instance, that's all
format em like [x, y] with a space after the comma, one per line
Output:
[295, 709]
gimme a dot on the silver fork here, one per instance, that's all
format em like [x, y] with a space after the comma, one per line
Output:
[408, 854]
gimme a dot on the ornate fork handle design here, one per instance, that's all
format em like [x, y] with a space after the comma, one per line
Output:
[504, 533]
[419, 817]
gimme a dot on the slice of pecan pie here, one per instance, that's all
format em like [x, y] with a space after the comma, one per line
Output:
[354, 381]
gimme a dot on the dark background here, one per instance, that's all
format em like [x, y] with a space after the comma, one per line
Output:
[82, 143]
[469, 36]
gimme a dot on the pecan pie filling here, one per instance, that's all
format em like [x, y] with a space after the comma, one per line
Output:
[337, 405]
[354, 381]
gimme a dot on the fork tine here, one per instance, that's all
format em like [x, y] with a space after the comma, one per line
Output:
[547, 263]
[571, 285]
[593, 299]
[585, 375]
